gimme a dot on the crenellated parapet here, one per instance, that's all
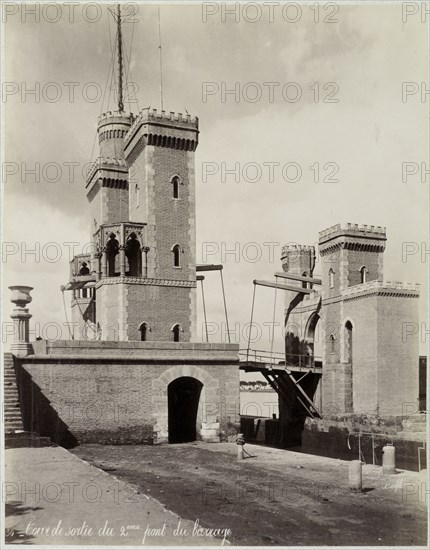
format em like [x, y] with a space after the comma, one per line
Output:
[351, 236]
[161, 129]
[110, 172]
[296, 249]
[116, 118]
[298, 258]
[353, 227]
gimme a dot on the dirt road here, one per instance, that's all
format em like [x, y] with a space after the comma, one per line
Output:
[276, 497]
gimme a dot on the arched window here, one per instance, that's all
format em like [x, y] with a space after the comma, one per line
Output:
[133, 255]
[331, 278]
[363, 274]
[175, 184]
[348, 342]
[176, 332]
[112, 249]
[349, 367]
[176, 255]
[137, 195]
[332, 343]
[143, 329]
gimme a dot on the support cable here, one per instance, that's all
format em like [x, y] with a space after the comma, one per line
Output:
[273, 324]
[204, 312]
[65, 313]
[250, 324]
[225, 307]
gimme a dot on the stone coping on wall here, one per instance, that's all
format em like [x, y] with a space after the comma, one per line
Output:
[363, 229]
[83, 350]
[387, 287]
[411, 427]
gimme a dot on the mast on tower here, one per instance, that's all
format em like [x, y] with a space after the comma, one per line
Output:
[117, 17]
[120, 67]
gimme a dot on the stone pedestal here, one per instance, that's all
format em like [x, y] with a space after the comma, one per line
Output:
[21, 346]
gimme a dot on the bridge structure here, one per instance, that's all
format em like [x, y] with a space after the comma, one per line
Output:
[294, 378]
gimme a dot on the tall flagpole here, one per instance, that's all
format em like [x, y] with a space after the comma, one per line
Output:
[120, 97]
[161, 58]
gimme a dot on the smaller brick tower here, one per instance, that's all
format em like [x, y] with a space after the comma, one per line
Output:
[297, 260]
[351, 255]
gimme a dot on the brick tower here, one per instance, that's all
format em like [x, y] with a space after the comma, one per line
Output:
[140, 280]
[296, 260]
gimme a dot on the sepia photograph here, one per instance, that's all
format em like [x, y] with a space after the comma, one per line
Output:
[215, 248]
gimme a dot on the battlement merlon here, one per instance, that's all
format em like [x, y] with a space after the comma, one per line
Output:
[296, 249]
[354, 237]
[115, 117]
[110, 172]
[353, 229]
[163, 129]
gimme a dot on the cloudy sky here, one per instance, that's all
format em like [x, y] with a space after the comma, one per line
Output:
[334, 104]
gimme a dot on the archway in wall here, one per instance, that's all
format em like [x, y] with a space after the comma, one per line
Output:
[313, 341]
[313, 352]
[348, 366]
[183, 396]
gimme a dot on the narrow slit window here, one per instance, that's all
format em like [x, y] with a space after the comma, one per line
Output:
[175, 183]
[176, 333]
[331, 278]
[176, 255]
[143, 329]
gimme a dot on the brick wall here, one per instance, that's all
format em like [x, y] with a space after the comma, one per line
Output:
[398, 351]
[114, 392]
[357, 259]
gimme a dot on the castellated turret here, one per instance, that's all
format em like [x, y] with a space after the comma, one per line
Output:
[351, 254]
[112, 128]
[298, 259]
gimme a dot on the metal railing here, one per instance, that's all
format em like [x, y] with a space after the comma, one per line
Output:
[279, 358]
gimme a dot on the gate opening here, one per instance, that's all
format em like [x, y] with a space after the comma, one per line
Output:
[183, 403]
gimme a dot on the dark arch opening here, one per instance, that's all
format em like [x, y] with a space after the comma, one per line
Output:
[176, 255]
[112, 250]
[143, 329]
[132, 252]
[183, 403]
[349, 366]
[175, 182]
[176, 333]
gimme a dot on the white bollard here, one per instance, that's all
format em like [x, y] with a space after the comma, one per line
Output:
[388, 460]
[355, 477]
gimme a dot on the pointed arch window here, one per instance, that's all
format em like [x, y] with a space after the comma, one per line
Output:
[332, 343]
[137, 195]
[176, 330]
[331, 278]
[112, 250]
[133, 255]
[176, 249]
[143, 329]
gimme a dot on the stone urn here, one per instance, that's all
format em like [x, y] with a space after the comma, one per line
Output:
[21, 318]
[21, 295]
